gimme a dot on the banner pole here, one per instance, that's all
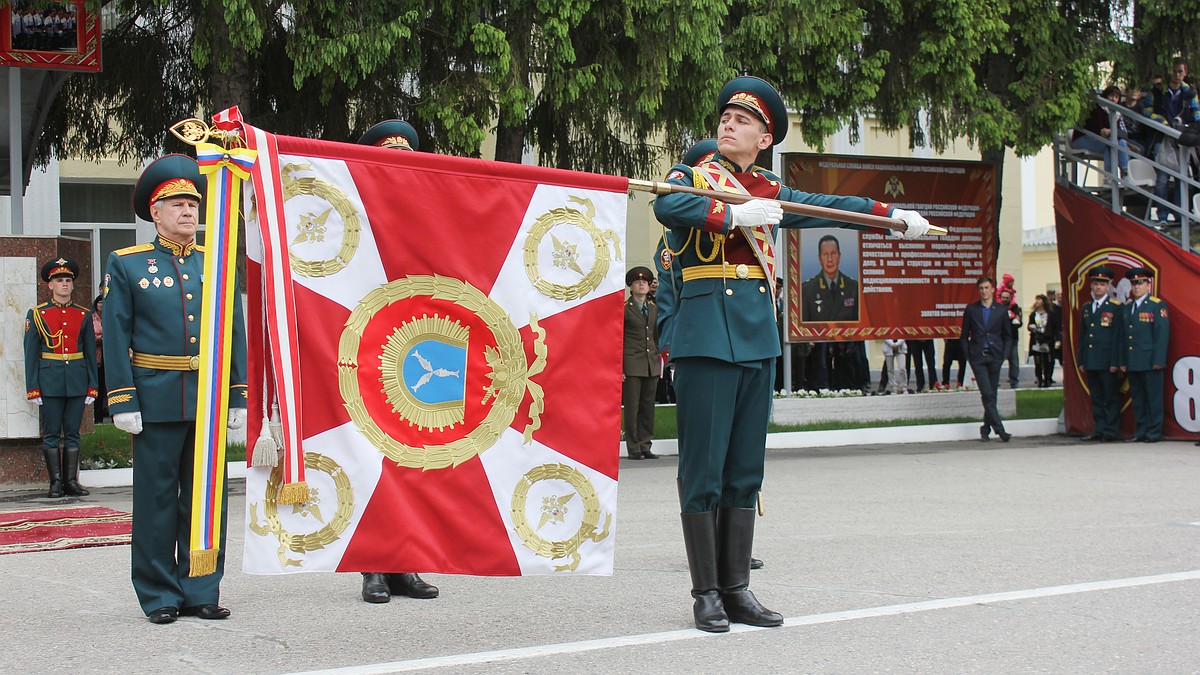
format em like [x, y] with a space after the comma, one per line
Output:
[865, 219]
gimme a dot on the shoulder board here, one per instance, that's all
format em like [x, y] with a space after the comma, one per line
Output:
[1114, 301]
[199, 248]
[1154, 299]
[80, 307]
[765, 172]
[136, 248]
[43, 305]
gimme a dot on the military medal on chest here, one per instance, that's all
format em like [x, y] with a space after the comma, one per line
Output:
[168, 281]
[152, 266]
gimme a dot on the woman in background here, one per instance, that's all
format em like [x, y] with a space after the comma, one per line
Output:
[100, 408]
[1039, 341]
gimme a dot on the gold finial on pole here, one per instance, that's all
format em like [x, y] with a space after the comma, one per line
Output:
[195, 131]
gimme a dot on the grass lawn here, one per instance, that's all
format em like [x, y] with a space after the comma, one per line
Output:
[1031, 404]
[108, 447]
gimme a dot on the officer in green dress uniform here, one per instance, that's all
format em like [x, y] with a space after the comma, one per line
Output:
[640, 364]
[1099, 341]
[725, 343]
[830, 295]
[379, 587]
[60, 373]
[1143, 357]
[152, 305]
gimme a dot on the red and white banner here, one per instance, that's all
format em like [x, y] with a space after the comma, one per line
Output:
[458, 331]
[1090, 234]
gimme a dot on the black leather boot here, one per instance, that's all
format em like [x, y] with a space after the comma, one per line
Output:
[735, 538]
[700, 540]
[71, 473]
[408, 583]
[375, 587]
[54, 468]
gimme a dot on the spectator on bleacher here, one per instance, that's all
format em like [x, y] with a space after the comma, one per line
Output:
[1098, 123]
[1173, 104]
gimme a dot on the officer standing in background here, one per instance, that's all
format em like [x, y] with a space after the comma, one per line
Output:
[152, 319]
[1099, 341]
[1144, 354]
[725, 342]
[60, 373]
[640, 364]
[379, 587]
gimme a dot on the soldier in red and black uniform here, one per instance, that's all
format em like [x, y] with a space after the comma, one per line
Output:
[60, 373]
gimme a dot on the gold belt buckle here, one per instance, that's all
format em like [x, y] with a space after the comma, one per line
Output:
[66, 357]
[742, 271]
[193, 363]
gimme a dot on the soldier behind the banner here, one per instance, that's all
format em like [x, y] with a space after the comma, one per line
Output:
[1099, 342]
[152, 318]
[1143, 354]
[60, 373]
[725, 342]
[379, 587]
[640, 364]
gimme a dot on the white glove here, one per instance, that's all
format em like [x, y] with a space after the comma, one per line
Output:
[129, 422]
[88, 400]
[237, 418]
[917, 225]
[756, 212]
[36, 401]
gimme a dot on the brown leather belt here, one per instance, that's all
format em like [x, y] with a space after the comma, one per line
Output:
[69, 356]
[158, 362]
[739, 271]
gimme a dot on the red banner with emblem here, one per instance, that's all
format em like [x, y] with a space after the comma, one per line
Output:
[458, 330]
[845, 284]
[1090, 234]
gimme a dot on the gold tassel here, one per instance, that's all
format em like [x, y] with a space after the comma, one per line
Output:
[294, 493]
[266, 452]
[203, 562]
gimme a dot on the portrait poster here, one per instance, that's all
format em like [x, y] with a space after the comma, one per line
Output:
[885, 286]
[45, 34]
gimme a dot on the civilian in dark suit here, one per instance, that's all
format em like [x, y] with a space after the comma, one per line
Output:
[986, 339]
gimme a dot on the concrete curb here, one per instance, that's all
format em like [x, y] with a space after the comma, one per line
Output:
[927, 433]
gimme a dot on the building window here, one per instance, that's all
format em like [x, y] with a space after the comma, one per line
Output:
[96, 202]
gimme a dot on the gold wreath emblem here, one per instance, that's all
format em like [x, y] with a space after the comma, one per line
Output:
[566, 254]
[557, 550]
[509, 374]
[302, 543]
[311, 226]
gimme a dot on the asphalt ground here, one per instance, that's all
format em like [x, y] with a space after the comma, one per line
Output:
[1045, 554]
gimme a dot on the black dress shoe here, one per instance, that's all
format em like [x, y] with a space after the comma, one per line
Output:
[756, 564]
[1150, 440]
[375, 588]
[408, 583]
[1093, 437]
[74, 489]
[1005, 436]
[649, 455]
[163, 615]
[56, 490]
[637, 456]
[983, 433]
[210, 612]
[1134, 439]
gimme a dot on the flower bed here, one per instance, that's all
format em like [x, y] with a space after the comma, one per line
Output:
[805, 408]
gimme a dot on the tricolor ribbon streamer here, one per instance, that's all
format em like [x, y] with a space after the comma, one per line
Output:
[279, 303]
[225, 169]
